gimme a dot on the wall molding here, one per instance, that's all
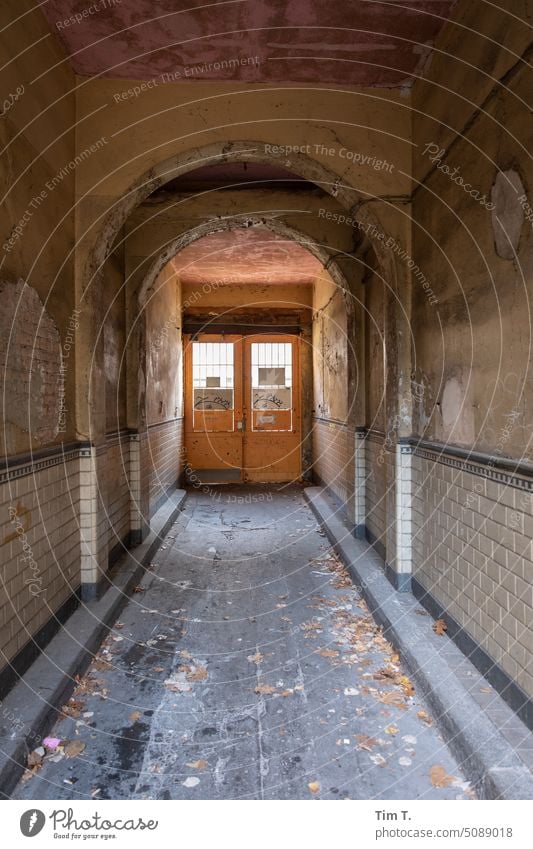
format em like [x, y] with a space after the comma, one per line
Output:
[18, 466]
[21, 465]
[502, 470]
[373, 435]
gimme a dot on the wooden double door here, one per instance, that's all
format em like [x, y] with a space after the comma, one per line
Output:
[242, 407]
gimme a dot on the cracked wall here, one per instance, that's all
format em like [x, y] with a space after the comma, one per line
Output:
[470, 349]
[36, 216]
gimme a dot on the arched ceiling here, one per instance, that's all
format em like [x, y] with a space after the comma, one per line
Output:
[250, 40]
[249, 255]
[235, 175]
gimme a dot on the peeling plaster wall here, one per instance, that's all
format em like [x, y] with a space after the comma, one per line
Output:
[221, 112]
[37, 217]
[161, 455]
[471, 349]
[481, 44]
[377, 446]
[115, 332]
[330, 351]
[164, 367]
[375, 289]
[39, 498]
[334, 393]
[31, 360]
[114, 473]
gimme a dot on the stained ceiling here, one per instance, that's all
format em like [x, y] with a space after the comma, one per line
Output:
[339, 42]
[253, 255]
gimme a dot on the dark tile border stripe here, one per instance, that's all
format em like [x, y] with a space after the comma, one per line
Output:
[15, 669]
[495, 675]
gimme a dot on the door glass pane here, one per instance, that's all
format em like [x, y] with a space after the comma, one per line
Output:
[271, 386]
[213, 386]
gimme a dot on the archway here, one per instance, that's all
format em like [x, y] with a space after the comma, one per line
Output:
[337, 262]
[270, 234]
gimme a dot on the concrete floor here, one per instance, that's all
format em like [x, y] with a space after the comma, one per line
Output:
[247, 666]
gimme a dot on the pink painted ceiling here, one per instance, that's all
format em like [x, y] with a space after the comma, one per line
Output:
[253, 255]
[344, 42]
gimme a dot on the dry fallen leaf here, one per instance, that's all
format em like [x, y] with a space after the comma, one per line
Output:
[310, 626]
[177, 684]
[135, 715]
[35, 758]
[365, 742]
[314, 786]
[264, 689]
[86, 685]
[386, 672]
[100, 664]
[328, 653]
[255, 658]
[73, 708]
[425, 717]
[440, 627]
[74, 748]
[200, 764]
[406, 685]
[392, 698]
[199, 673]
[391, 729]
[439, 777]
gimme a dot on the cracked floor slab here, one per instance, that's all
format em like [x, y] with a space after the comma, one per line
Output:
[246, 665]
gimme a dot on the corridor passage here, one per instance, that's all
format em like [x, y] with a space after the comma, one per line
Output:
[246, 665]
